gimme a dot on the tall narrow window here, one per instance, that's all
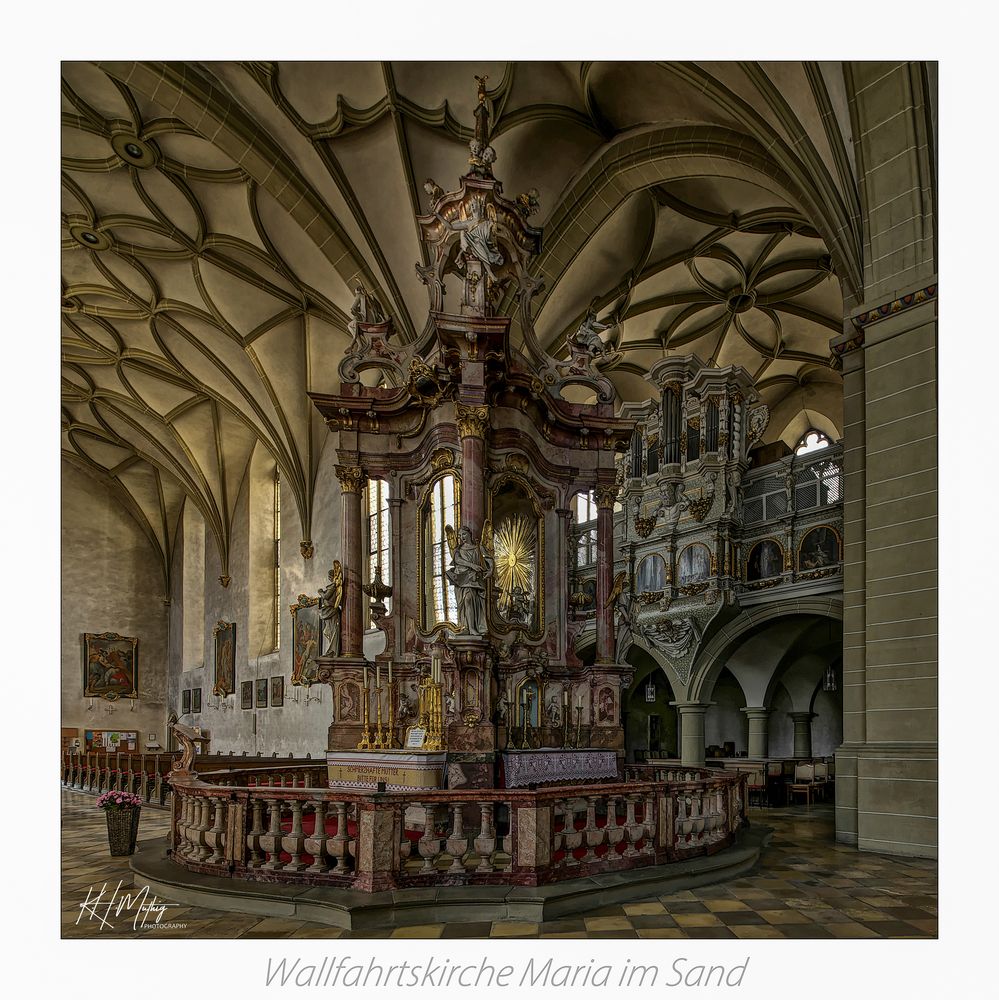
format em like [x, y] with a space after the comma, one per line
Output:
[379, 553]
[277, 559]
[585, 510]
[443, 514]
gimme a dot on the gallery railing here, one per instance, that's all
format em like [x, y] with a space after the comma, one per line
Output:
[274, 825]
[145, 773]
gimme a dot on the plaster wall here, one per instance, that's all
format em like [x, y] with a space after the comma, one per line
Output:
[111, 582]
[296, 727]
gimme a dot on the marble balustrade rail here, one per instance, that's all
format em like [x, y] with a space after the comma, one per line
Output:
[280, 824]
[145, 774]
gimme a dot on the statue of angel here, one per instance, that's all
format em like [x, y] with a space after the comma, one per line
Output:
[476, 236]
[617, 588]
[433, 189]
[330, 608]
[471, 565]
[587, 335]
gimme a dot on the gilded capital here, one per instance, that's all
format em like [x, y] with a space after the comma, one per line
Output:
[606, 495]
[473, 421]
[350, 477]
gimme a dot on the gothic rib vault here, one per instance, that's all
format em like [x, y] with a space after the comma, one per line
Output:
[216, 215]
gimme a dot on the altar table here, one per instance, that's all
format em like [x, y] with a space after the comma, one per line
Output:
[557, 767]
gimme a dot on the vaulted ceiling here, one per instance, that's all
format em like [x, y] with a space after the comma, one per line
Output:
[215, 216]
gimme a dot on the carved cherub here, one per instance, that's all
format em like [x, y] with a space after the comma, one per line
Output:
[433, 189]
[528, 203]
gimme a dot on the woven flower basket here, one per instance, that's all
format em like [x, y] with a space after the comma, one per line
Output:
[123, 827]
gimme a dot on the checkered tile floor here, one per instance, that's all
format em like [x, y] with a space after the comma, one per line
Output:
[805, 886]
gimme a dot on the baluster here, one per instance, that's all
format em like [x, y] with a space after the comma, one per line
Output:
[429, 844]
[216, 836]
[614, 830]
[457, 843]
[181, 846]
[271, 841]
[338, 846]
[485, 842]
[204, 824]
[573, 837]
[256, 832]
[316, 844]
[294, 841]
[592, 834]
[633, 829]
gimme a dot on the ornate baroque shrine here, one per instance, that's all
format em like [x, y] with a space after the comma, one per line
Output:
[477, 746]
[482, 455]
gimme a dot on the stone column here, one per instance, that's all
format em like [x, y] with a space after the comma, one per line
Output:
[802, 733]
[352, 630]
[605, 496]
[758, 731]
[564, 559]
[473, 422]
[691, 731]
[398, 609]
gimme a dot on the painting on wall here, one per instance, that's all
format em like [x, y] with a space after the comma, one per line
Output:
[766, 560]
[110, 666]
[819, 548]
[196, 700]
[261, 692]
[306, 630]
[694, 564]
[225, 658]
[246, 694]
[185, 701]
[277, 692]
[651, 575]
[348, 703]
[605, 705]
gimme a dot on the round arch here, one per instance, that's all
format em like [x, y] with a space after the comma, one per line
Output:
[712, 658]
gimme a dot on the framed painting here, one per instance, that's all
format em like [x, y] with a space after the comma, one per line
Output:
[110, 666]
[819, 548]
[196, 700]
[225, 658]
[185, 701]
[307, 633]
[261, 692]
[277, 692]
[766, 560]
[246, 694]
[694, 564]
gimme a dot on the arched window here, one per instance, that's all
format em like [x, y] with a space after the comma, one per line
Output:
[379, 552]
[442, 515]
[193, 596]
[277, 559]
[584, 509]
[811, 440]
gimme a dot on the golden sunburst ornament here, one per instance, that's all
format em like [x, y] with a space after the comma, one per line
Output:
[513, 541]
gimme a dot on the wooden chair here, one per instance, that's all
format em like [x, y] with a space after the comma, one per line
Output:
[803, 783]
[757, 786]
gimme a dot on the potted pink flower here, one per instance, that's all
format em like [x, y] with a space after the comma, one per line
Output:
[121, 809]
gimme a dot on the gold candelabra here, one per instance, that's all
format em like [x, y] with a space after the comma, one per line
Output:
[384, 737]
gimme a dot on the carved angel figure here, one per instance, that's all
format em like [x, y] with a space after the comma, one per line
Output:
[553, 713]
[330, 607]
[433, 189]
[469, 570]
[476, 235]
[528, 203]
[622, 637]
[587, 335]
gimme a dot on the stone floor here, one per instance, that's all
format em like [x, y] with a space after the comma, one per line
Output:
[805, 886]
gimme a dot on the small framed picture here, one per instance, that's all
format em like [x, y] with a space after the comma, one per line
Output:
[185, 701]
[277, 692]
[246, 694]
[262, 692]
[196, 700]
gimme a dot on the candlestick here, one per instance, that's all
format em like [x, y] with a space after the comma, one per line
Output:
[378, 676]
[365, 669]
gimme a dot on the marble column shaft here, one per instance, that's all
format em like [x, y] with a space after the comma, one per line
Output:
[605, 576]
[352, 561]
[759, 731]
[802, 733]
[691, 731]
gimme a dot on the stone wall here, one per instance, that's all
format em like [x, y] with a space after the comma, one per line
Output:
[111, 582]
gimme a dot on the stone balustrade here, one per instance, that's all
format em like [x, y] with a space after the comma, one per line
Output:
[280, 824]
